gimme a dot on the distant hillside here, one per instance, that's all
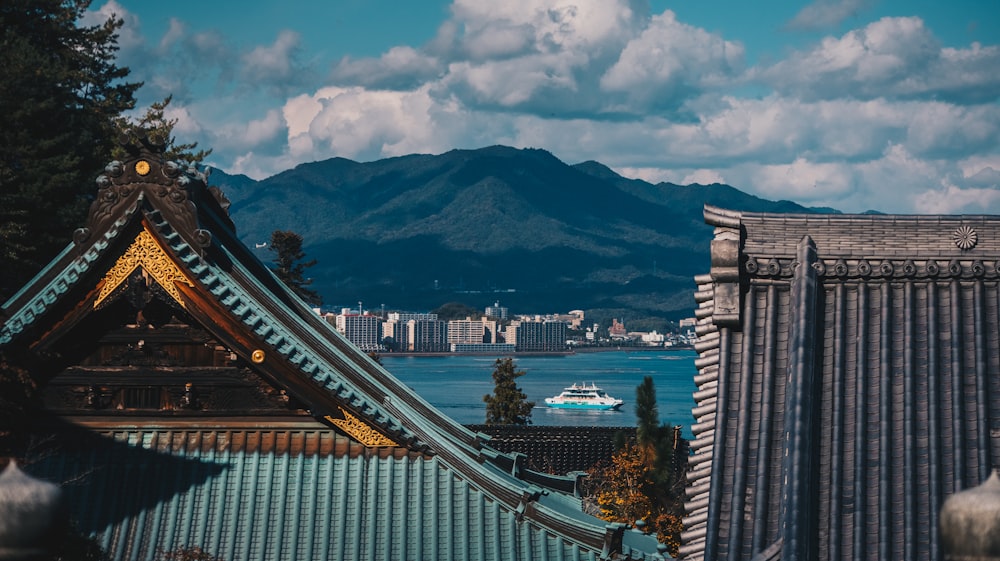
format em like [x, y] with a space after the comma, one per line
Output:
[494, 224]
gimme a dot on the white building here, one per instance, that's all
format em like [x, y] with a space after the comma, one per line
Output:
[496, 311]
[365, 330]
[426, 336]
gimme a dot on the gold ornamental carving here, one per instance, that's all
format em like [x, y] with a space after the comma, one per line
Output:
[257, 356]
[142, 167]
[360, 430]
[146, 253]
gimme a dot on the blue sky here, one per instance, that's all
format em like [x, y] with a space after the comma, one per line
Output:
[855, 104]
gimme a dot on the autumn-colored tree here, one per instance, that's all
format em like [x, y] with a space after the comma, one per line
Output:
[643, 482]
[289, 267]
[507, 405]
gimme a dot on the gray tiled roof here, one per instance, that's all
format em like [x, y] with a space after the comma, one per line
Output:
[849, 380]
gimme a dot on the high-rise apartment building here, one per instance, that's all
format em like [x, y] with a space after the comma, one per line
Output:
[537, 335]
[426, 336]
[466, 331]
[365, 331]
[496, 311]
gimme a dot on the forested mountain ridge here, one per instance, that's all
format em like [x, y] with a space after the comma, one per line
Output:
[497, 223]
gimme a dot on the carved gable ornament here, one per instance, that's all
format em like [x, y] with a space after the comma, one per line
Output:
[144, 253]
[360, 431]
[156, 185]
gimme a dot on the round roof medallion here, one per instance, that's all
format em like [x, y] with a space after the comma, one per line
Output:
[965, 237]
[257, 356]
[142, 167]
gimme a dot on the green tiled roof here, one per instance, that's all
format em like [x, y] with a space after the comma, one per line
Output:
[442, 494]
[259, 494]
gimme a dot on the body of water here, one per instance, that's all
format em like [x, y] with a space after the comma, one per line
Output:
[456, 384]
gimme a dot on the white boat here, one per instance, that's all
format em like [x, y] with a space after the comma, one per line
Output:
[583, 396]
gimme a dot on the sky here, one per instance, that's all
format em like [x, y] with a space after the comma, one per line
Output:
[888, 105]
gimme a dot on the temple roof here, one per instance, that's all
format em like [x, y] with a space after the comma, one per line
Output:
[849, 381]
[159, 219]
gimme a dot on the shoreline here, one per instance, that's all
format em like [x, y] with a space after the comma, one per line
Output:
[582, 350]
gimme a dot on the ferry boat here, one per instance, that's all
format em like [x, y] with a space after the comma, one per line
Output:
[583, 396]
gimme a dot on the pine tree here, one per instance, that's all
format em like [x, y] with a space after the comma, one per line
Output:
[155, 125]
[61, 94]
[507, 405]
[289, 267]
[644, 480]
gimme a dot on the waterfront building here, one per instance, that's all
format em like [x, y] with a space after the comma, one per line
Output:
[396, 332]
[537, 336]
[848, 383]
[652, 338]
[426, 336]
[466, 331]
[364, 330]
[183, 397]
[617, 331]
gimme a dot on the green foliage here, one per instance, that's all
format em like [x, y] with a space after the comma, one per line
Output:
[456, 310]
[507, 405]
[61, 94]
[644, 481]
[289, 267]
[647, 413]
[155, 125]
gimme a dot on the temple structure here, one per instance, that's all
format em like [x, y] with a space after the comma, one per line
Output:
[849, 382]
[183, 397]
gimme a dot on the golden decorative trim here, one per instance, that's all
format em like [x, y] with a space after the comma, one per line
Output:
[144, 252]
[257, 356]
[142, 167]
[360, 430]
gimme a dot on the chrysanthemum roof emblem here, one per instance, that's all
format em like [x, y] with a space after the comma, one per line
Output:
[965, 237]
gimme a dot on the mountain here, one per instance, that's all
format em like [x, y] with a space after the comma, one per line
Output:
[494, 224]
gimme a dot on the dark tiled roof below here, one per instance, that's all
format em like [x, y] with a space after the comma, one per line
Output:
[557, 450]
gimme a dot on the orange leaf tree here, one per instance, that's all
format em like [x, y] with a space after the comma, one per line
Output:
[643, 482]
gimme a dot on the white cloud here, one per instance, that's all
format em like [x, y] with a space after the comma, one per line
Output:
[703, 177]
[882, 117]
[398, 68]
[517, 26]
[891, 57]
[956, 200]
[359, 123]
[669, 57]
[130, 33]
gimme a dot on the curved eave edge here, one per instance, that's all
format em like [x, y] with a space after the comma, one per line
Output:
[38, 296]
[367, 377]
[369, 385]
[556, 512]
[378, 381]
[257, 317]
[367, 380]
[716, 216]
[706, 399]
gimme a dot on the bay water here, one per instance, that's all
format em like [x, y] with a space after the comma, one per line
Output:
[456, 384]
